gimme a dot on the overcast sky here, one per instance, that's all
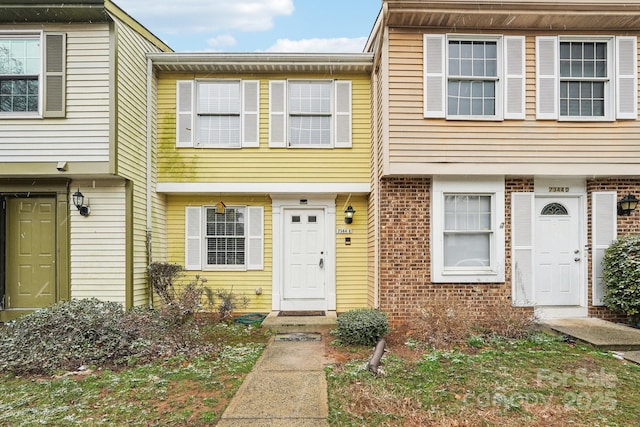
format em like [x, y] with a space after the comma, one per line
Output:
[257, 25]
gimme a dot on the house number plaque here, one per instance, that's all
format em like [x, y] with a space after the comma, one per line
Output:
[558, 189]
[343, 231]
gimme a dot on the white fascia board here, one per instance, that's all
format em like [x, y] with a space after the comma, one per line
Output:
[262, 187]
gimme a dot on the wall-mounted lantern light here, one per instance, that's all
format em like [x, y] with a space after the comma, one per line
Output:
[221, 207]
[78, 201]
[348, 215]
[627, 205]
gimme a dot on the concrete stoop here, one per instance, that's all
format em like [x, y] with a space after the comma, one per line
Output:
[300, 323]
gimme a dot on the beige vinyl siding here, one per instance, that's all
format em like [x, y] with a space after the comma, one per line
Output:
[264, 164]
[417, 144]
[351, 260]
[84, 134]
[98, 262]
[131, 144]
[241, 282]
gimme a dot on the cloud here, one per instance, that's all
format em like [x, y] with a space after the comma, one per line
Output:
[198, 16]
[221, 42]
[335, 45]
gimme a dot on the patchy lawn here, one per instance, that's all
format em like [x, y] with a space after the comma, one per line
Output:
[175, 391]
[535, 381]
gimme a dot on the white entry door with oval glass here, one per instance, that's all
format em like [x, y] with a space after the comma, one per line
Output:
[558, 252]
[304, 259]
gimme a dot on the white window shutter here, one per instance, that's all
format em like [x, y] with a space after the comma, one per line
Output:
[277, 113]
[193, 238]
[434, 79]
[547, 101]
[626, 78]
[514, 52]
[54, 102]
[522, 249]
[604, 232]
[184, 113]
[255, 236]
[343, 114]
[250, 113]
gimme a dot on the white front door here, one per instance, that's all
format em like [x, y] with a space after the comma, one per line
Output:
[304, 260]
[558, 252]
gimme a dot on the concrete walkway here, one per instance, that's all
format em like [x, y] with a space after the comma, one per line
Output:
[622, 339]
[287, 386]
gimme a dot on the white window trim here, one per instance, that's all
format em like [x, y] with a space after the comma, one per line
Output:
[610, 84]
[622, 74]
[197, 116]
[26, 114]
[216, 267]
[196, 239]
[493, 186]
[499, 79]
[341, 119]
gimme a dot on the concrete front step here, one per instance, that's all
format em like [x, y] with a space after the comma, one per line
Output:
[300, 323]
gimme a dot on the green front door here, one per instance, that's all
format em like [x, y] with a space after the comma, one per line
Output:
[30, 252]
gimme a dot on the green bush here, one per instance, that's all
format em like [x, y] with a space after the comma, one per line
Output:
[363, 326]
[621, 272]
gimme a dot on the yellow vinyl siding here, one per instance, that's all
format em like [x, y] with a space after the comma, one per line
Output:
[418, 143]
[264, 164]
[241, 282]
[351, 260]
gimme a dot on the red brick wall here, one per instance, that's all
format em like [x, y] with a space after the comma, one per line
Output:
[626, 225]
[405, 269]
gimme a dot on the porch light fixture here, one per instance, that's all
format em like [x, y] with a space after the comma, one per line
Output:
[348, 215]
[627, 205]
[221, 207]
[78, 201]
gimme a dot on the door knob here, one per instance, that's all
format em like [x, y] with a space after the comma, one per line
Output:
[321, 264]
[576, 259]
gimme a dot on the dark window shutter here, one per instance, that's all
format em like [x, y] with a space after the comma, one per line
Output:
[54, 75]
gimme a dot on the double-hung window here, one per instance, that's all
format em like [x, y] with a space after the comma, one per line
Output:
[220, 113]
[20, 70]
[586, 78]
[32, 74]
[474, 77]
[225, 235]
[468, 230]
[310, 113]
[231, 238]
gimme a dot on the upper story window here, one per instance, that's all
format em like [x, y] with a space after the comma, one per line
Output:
[20, 70]
[32, 75]
[310, 113]
[218, 116]
[586, 78]
[474, 77]
[217, 113]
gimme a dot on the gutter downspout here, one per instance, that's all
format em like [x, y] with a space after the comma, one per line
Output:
[149, 146]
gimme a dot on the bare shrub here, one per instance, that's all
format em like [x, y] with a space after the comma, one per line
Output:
[448, 322]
